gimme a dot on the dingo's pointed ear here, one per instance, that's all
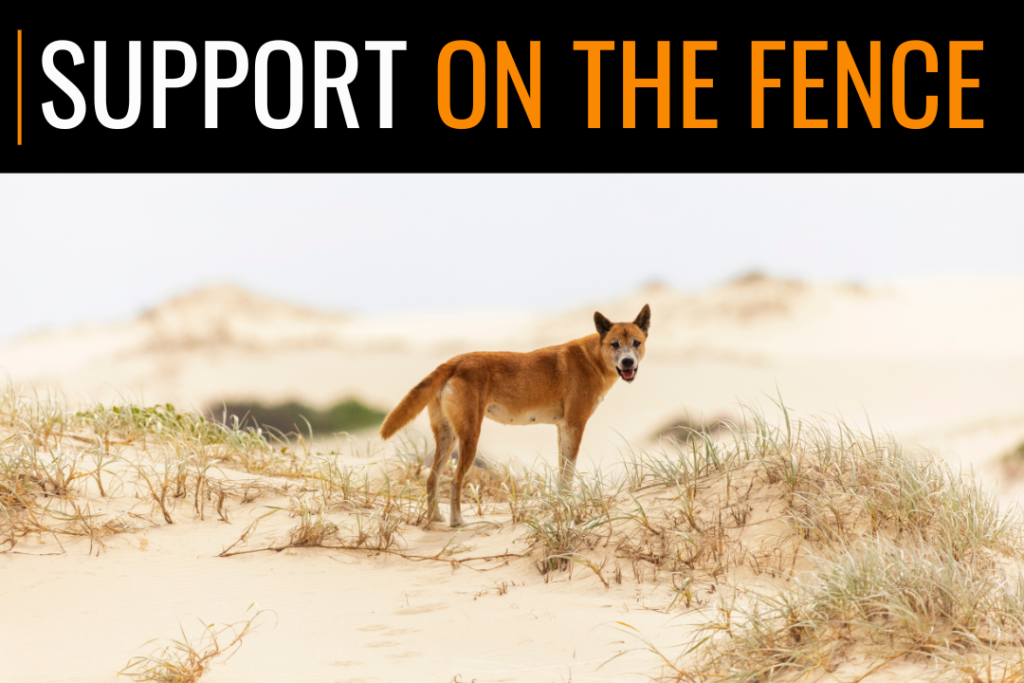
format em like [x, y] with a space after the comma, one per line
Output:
[643, 321]
[602, 323]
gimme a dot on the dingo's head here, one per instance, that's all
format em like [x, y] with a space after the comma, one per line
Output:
[622, 344]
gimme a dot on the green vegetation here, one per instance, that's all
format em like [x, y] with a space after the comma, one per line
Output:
[292, 416]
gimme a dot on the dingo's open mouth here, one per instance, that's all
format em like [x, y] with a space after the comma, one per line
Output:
[628, 375]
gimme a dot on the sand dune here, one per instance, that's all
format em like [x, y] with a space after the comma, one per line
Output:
[920, 356]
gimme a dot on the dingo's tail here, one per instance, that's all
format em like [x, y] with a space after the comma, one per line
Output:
[416, 400]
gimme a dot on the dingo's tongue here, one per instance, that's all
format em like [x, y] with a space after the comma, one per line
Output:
[627, 374]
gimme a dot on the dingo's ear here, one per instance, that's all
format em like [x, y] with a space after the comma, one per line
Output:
[602, 323]
[643, 321]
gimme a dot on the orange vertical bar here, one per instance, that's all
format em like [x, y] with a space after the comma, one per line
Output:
[19, 87]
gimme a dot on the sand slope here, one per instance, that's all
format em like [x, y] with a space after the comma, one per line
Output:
[339, 616]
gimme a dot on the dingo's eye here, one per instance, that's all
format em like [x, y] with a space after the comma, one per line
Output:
[615, 345]
[636, 343]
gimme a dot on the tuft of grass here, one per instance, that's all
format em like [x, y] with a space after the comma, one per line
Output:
[314, 527]
[375, 530]
[188, 659]
[873, 598]
[562, 522]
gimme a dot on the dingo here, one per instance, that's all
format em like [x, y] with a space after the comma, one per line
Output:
[559, 385]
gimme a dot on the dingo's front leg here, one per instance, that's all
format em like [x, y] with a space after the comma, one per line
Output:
[569, 437]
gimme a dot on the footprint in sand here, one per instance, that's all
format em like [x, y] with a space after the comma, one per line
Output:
[402, 631]
[383, 643]
[373, 627]
[405, 655]
[422, 609]
[346, 663]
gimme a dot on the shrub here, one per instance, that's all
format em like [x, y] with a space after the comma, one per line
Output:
[347, 415]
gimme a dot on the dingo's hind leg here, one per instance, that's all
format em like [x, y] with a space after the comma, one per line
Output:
[468, 431]
[444, 443]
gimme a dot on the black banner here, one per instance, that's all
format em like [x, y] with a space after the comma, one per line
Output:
[688, 97]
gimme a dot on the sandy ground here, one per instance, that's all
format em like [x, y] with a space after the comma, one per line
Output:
[340, 616]
[940, 363]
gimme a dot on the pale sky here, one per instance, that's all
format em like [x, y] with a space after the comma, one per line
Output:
[99, 248]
